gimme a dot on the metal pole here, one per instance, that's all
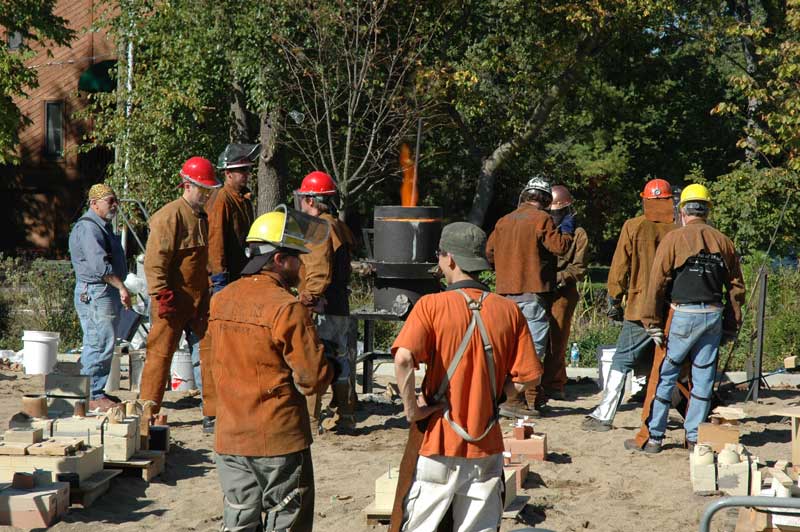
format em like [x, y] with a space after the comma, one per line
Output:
[746, 502]
[755, 388]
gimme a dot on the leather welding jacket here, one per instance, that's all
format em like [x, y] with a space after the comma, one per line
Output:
[176, 256]
[571, 268]
[325, 272]
[523, 249]
[679, 246]
[230, 215]
[267, 356]
[636, 248]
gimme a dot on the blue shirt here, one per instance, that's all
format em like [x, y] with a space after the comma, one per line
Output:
[87, 250]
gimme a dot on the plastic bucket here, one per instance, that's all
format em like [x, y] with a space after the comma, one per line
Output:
[112, 384]
[182, 376]
[39, 351]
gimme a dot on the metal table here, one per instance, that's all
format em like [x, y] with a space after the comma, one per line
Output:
[369, 316]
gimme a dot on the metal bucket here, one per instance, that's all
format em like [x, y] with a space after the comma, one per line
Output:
[136, 364]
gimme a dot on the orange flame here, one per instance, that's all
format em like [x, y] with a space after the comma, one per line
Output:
[409, 195]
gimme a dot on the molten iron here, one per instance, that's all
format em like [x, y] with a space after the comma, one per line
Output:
[409, 195]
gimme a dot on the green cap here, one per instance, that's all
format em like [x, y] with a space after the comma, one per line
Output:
[466, 242]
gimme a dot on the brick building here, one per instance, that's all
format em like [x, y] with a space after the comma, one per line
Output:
[44, 195]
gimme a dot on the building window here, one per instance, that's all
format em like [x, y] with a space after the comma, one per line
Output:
[14, 40]
[54, 129]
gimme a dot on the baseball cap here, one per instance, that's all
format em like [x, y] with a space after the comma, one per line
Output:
[466, 242]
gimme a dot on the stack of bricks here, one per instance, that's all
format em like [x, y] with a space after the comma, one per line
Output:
[524, 445]
[34, 507]
[119, 440]
[63, 391]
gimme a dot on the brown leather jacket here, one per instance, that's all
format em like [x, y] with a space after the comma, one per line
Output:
[523, 248]
[571, 268]
[325, 271]
[230, 215]
[176, 255]
[636, 248]
[267, 356]
[673, 252]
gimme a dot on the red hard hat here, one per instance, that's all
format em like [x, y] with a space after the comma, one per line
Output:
[317, 184]
[199, 171]
[657, 189]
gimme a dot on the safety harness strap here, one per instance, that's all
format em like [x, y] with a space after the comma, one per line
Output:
[475, 308]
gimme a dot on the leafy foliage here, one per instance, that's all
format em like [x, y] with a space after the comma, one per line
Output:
[38, 27]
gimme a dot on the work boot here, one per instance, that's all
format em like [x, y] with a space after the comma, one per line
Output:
[651, 447]
[208, 424]
[557, 395]
[343, 421]
[101, 404]
[517, 408]
[591, 424]
[339, 423]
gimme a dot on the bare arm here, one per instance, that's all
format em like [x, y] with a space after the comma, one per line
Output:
[415, 406]
[117, 283]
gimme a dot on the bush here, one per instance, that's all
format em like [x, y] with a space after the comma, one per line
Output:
[37, 295]
[782, 328]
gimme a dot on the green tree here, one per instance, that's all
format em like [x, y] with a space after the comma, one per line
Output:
[37, 26]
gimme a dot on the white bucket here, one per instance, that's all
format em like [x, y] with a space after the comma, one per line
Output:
[182, 376]
[39, 353]
[112, 384]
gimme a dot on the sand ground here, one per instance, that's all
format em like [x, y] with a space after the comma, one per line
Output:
[588, 483]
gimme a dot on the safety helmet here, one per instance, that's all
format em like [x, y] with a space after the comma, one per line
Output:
[317, 184]
[695, 192]
[561, 197]
[657, 189]
[238, 156]
[538, 183]
[199, 171]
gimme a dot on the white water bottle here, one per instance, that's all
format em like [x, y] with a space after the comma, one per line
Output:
[574, 355]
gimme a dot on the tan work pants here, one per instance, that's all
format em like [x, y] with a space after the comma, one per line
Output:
[165, 334]
[561, 312]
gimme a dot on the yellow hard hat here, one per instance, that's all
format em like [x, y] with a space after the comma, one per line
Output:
[695, 192]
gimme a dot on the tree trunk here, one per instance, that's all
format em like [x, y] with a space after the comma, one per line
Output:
[240, 117]
[484, 192]
[270, 182]
[742, 13]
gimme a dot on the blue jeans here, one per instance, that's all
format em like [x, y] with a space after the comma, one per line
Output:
[98, 314]
[696, 335]
[538, 318]
[633, 346]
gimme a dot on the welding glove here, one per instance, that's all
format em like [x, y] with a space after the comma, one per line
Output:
[219, 281]
[568, 224]
[614, 311]
[166, 303]
[657, 334]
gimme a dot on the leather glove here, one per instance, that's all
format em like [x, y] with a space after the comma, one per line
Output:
[166, 303]
[568, 224]
[307, 299]
[219, 281]
[614, 311]
[657, 334]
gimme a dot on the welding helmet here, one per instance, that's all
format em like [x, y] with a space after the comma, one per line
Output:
[238, 156]
[657, 189]
[200, 172]
[282, 229]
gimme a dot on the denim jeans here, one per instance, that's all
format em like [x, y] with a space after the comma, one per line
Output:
[538, 317]
[695, 333]
[99, 315]
[633, 346]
